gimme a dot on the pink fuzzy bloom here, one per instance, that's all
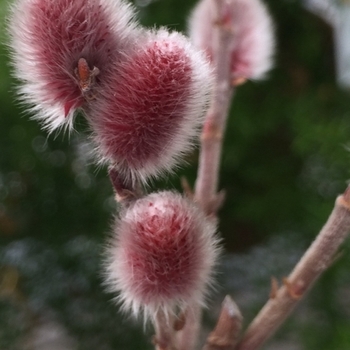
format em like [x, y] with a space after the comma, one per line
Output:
[253, 40]
[63, 49]
[162, 254]
[152, 109]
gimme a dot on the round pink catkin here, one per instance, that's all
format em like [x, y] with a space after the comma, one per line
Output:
[162, 255]
[152, 109]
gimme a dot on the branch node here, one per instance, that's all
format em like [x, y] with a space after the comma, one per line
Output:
[295, 290]
[274, 287]
[344, 199]
[180, 321]
[211, 132]
[187, 188]
[124, 189]
[238, 81]
[224, 25]
[224, 17]
[218, 201]
[226, 332]
[159, 344]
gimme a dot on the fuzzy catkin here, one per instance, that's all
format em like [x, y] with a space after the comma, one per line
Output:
[253, 42]
[162, 255]
[151, 111]
[49, 37]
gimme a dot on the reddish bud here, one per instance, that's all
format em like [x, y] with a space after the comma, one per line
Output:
[153, 106]
[162, 254]
[253, 41]
[62, 49]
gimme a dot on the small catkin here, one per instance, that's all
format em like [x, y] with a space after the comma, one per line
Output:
[253, 41]
[162, 255]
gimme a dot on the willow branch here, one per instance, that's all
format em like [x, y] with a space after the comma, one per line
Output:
[206, 186]
[188, 336]
[315, 261]
[165, 333]
[125, 189]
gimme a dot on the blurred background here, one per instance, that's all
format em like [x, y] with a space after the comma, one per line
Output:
[286, 157]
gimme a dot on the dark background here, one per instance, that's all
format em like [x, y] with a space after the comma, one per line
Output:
[285, 160]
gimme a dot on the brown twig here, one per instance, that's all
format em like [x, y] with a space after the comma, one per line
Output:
[206, 186]
[315, 261]
[186, 187]
[274, 288]
[125, 190]
[228, 328]
[165, 333]
[189, 334]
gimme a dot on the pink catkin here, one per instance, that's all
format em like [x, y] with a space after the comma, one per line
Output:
[48, 39]
[253, 39]
[152, 94]
[153, 107]
[162, 255]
